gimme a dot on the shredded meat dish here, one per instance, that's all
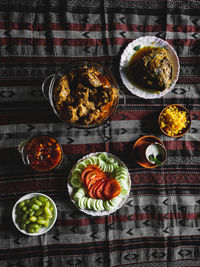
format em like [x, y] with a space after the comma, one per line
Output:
[84, 96]
[151, 68]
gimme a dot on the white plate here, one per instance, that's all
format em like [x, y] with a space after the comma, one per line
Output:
[129, 52]
[93, 212]
[43, 230]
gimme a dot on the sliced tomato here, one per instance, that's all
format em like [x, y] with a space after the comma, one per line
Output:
[87, 170]
[98, 190]
[95, 179]
[111, 189]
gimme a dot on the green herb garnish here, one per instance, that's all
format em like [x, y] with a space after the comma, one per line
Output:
[156, 159]
[136, 48]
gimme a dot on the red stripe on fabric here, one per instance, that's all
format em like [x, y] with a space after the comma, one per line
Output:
[48, 116]
[130, 115]
[191, 59]
[47, 59]
[11, 153]
[182, 145]
[98, 27]
[182, 28]
[53, 26]
[34, 185]
[188, 80]
[84, 42]
[16, 81]
[162, 178]
[125, 218]
[83, 149]
[143, 114]
[28, 117]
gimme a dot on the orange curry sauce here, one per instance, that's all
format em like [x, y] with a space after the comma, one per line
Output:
[43, 153]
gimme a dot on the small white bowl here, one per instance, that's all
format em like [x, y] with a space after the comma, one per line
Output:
[43, 230]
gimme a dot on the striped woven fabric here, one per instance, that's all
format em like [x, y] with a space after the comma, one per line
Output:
[159, 225]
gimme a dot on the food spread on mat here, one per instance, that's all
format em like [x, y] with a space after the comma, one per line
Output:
[173, 121]
[34, 213]
[84, 96]
[99, 183]
[150, 68]
[42, 153]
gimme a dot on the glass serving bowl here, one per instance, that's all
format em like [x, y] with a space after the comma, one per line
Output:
[42, 153]
[54, 82]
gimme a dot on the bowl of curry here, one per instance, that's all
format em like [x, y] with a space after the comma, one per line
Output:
[83, 94]
[42, 153]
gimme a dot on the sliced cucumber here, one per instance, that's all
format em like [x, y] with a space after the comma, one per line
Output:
[79, 193]
[99, 204]
[88, 203]
[107, 205]
[75, 181]
[115, 201]
[124, 187]
[110, 160]
[81, 165]
[121, 177]
[77, 172]
[88, 161]
[93, 204]
[81, 202]
[103, 156]
[124, 192]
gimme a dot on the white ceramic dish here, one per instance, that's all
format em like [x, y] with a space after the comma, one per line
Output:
[93, 212]
[129, 52]
[43, 230]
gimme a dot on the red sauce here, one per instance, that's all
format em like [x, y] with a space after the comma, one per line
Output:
[43, 153]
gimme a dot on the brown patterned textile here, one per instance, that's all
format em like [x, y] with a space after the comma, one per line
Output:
[160, 223]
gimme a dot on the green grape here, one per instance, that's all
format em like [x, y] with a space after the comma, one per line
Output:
[21, 204]
[51, 208]
[37, 202]
[39, 212]
[41, 221]
[42, 199]
[47, 204]
[47, 211]
[22, 226]
[27, 201]
[35, 207]
[32, 213]
[33, 218]
[46, 224]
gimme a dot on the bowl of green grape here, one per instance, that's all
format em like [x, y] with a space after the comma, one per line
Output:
[34, 214]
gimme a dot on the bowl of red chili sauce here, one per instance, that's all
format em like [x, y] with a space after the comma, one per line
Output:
[42, 153]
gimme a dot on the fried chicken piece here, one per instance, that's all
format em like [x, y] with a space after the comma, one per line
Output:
[71, 114]
[92, 77]
[82, 92]
[62, 91]
[93, 116]
[82, 110]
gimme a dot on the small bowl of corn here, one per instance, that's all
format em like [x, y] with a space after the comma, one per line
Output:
[174, 120]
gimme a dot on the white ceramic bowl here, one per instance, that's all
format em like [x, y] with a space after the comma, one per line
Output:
[103, 212]
[43, 230]
[127, 54]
